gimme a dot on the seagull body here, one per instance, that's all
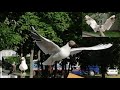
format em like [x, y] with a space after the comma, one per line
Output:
[57, 53]
[62, 54]
[106, 26]
[23, 66]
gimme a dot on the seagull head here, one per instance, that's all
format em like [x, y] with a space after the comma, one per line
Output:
[87, 17]
[113, 17]
[72, 44]
[23, 58]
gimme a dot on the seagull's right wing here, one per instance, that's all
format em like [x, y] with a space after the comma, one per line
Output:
[109, 22]
[93, 24]
[97, 47]
[47, 46]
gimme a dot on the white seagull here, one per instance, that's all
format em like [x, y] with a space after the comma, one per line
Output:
[58, 53]
[23, 66]
[101, 28]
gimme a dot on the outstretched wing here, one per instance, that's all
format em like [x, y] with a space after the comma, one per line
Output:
[97, 47]
[93, 24]
[47, 46]
[109, 22]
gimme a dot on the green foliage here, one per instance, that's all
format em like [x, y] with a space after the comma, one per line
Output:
[60, 21]
[74, 32]
[9, 37]
[47, 24]
[27, 20]
[12, 59]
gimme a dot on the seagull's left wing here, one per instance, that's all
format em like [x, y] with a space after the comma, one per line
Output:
[97, 47]
[93, 24]
[46, 45]
[109, 22]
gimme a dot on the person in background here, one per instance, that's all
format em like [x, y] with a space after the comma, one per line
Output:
[13, 68]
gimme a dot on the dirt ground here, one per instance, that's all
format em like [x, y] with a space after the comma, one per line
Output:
[96, 76]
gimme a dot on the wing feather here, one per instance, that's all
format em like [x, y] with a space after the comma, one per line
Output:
[47, 46]
[97, 47]
[108, 24]
[93, 24]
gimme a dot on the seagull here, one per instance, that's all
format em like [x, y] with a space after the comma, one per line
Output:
[101, 28]
[59, 53]
[23, 66]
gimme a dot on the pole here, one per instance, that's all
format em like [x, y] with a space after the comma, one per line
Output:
[39, 62]
[31, 63]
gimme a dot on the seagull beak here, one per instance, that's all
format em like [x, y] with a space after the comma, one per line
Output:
[74, 46]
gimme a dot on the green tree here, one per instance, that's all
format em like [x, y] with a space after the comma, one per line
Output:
[9, 38]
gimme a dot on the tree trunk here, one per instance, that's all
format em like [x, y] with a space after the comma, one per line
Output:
[31, 64]
[103, 70]
[55, 69]
[39, 62]
[21, 51]
[69, 67]
[63, 68]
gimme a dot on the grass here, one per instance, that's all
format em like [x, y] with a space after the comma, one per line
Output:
[107, 33]
[112, 34]
[118, 76]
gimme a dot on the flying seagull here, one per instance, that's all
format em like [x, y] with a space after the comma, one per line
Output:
[58, 53]
[23, 66]
[101, 28]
